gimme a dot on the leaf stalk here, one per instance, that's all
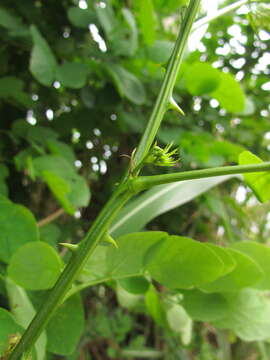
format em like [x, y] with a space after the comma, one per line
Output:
[145, 182]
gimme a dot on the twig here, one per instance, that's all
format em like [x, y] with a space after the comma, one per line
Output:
[51, 217]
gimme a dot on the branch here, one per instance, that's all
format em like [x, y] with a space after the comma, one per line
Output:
[165, 100]
[205, 20]
[51, 217]
[86, 247]
[144, 182]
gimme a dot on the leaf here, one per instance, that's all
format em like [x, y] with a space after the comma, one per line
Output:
[13, 234]
[180, 322]
[248, 315]
[228, 261]
[147, 20]
[66, 326]
[135, 285]
[259, 182]
[181, 262]
[8, 327]
[128, 300]
[4, 172]
[106, 17]
[12, 88]
[24, 312]
[42, 62]
[260, 16]
[68, 187]
[50, 233]
[96, 265]
[12, 23]
[60, 148]
[205, 307]
[137, 213]
[127, 84]
[37, 134]
[72, 75]
[201, 78]
[245, 274]
[160, 51]
[60, 188]
[260, 253]
[129, 258]
[155, 307]
[229, 94]
[133, 36]
[35, 266]
[80, 17]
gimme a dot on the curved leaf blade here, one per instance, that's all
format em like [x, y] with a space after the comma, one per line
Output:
[137, 213]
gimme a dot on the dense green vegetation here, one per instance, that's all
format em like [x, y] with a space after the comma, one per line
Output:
[184, 273]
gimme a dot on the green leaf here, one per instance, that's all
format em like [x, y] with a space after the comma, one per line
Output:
[248, 315]
[260, 253]
[135, 284]
[201, 78]
[155, 307]
[245, 274]
[228, 261]
[60, 148]
[106, 18]
[133, 35]
[8, 327]
[4, 172]
[66, 326]
[137, 213]
[128, 300]
[80, 17]
[42, 62]
[129, 258]
[72, 75]
[68, 187]
[34, 134]
[160, 51]
[180, 322]
[12, 88]
[35, 266]
[96, 265]
[260, 16]
[60, 188]
[259, 182]
[229, 94]
[127, 84]
[24, 312]
[181, 262]
[15, 233]
[12, 23]
[50, 233]
[205, 307]
[147, 20]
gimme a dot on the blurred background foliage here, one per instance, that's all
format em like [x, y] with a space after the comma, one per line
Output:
[78, 80]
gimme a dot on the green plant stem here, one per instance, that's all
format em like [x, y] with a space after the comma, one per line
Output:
[163, 101]
[144, 182]
[262, 350]
[71, 271]
[224, 345]
[101, 224]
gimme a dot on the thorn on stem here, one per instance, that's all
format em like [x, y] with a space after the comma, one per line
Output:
[174, 106]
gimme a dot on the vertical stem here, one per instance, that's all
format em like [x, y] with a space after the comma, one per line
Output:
[262, 350]
[165, 94]
[224, 345]
[71, 271]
